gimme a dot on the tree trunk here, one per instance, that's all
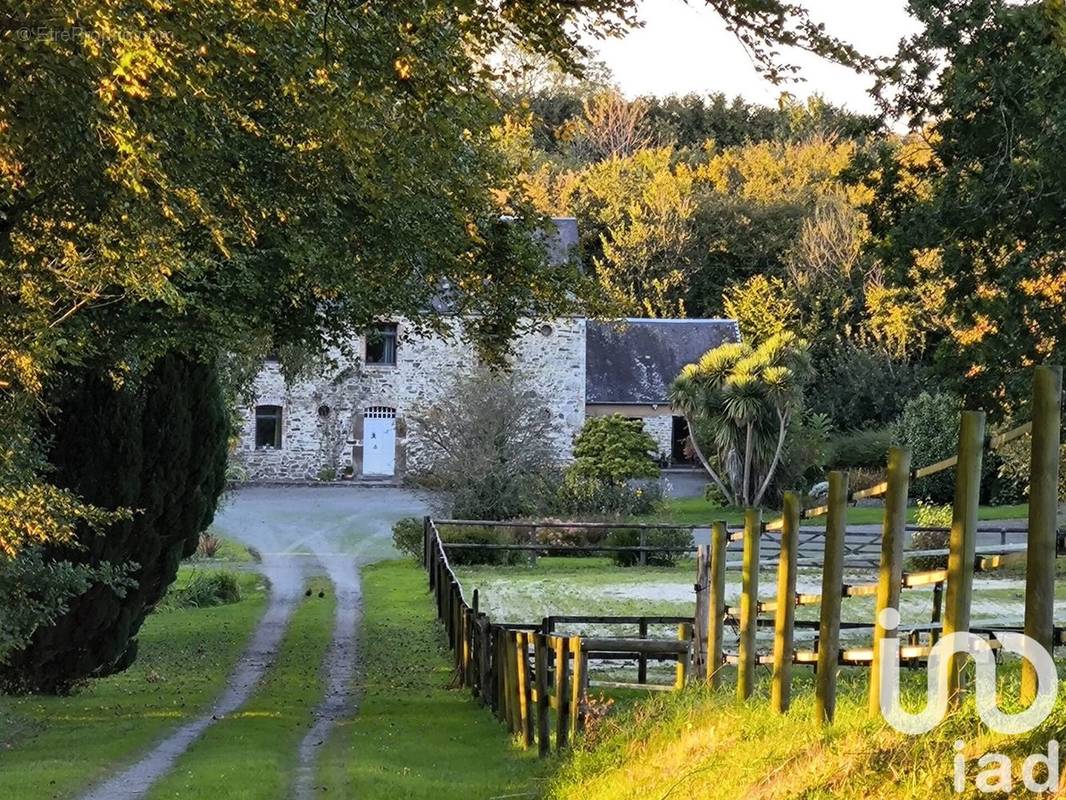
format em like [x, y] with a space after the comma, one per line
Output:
[729, 497]
[781, 433]
[746, 486]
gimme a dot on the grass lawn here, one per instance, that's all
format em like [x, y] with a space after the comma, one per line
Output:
[697, 511]
[705, 745]
[251, 754]
[55, 747]
[414, 738]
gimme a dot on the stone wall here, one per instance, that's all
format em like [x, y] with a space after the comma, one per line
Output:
[661, 429]
[322, 417]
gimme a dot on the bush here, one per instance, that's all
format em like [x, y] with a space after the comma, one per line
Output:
[488, 443]
[866, 448]
[486, 535]
[613, 450]
[577, 496]
[209, 545]
[204, 590]
[407, 536]
[930, 516]
[930, 428]
[859, 388]
[662, 537]
[1012, 485]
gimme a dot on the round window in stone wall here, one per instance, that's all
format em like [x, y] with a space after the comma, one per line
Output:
[546, 330]
[324, 411]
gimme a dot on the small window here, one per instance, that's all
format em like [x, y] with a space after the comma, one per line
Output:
[381, 345]
[268, 427]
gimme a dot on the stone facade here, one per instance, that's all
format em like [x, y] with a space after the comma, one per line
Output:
[661, 429]
[323, 417]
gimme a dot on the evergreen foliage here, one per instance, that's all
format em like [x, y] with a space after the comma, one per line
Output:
[157, 447]
[613, 449]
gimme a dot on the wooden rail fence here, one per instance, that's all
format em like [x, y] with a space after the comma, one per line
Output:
[526, 672]
[953, 586]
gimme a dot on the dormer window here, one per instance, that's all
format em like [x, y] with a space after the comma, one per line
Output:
[381, 345]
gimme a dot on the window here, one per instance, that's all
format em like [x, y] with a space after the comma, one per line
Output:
[268, 427]
[381, 345]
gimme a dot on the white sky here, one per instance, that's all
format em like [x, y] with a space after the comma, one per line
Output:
[684, 47]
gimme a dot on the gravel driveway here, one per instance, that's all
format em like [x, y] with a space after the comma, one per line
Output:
[299, 532]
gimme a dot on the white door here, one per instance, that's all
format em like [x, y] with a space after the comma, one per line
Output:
[379, 441]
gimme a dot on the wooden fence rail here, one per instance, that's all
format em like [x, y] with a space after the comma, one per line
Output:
[953, 586]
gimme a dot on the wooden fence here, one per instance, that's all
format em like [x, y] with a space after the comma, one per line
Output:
[526, 673]
[529, 673]
[953, 586]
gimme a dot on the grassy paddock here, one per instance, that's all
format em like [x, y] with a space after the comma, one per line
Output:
[413, 737]
[702, 745]
[251, 754]
[55, 747]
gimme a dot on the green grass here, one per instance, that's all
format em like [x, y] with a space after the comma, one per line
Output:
[697, 511]
[414, 738]
[55, 747]
[704, 745]
[251, 754]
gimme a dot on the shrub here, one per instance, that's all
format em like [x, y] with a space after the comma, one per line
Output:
[1012, 485]
[661, 537]
[860, 388]
[488, 444]
[930, 516]
[930, 428]
[206, 589]
[613, 449]
[407, 536]
[865, 448]
[468, 534]
[577, 496]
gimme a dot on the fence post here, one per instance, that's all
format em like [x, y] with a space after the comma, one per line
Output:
[642, 659]
[524, 694]
[825, 691]
[510, 673]
[962, 544]
[716, 606]
[890, 574]
[540, 678]
[562, 687]
[1043, 518]
[703, 597]
[643, 544]
[577, 686]
[426, 554]
[749, 603]
[684, 634]
[785, 613]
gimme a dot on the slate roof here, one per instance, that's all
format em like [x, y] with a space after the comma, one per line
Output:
[634, 361]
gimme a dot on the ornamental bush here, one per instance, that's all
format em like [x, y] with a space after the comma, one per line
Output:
[613, 449]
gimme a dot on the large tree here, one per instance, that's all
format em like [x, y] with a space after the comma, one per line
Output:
[158, 446]
[969, 214]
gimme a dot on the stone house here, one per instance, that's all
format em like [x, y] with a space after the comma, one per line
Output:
[352, 422]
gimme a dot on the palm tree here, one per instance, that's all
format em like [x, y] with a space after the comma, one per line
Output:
[742, 399]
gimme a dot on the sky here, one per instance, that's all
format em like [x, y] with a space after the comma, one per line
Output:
[684, 47]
